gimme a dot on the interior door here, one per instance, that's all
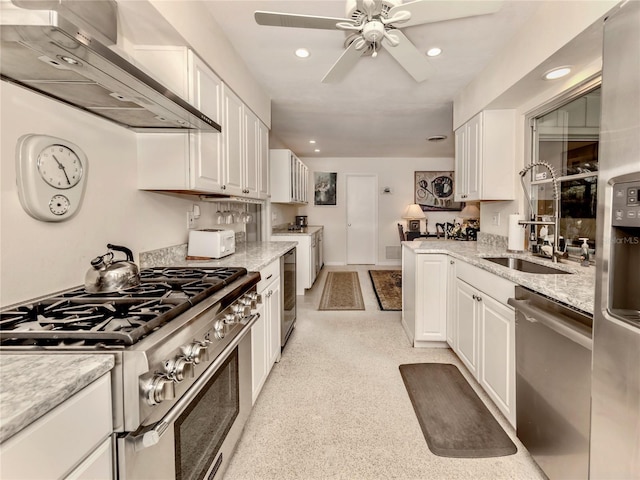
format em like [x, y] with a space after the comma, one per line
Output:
[362, 219]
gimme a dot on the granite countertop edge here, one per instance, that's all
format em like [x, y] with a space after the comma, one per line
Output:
[309, 230]
[28, 394]
[576, 290]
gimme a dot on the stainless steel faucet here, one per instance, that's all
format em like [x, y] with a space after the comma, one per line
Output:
[555, 248]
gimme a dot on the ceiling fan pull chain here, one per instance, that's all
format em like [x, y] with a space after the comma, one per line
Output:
[375, 53]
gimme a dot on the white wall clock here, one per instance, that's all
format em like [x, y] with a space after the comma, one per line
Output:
[51, 176]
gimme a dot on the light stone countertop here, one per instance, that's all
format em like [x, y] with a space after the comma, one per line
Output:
[253, 256]
[309, 230]
[576, 289]
[33, 384]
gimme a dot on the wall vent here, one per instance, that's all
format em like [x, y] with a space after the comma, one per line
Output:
[393, 252]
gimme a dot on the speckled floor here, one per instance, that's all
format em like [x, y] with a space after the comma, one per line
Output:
[335, 407]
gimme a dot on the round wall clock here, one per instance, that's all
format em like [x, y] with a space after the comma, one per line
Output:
[51, 175]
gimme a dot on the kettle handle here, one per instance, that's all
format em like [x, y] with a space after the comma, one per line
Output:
[122, 249]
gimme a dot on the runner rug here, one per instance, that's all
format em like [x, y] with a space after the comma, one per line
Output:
[388, 287]
[452, 417]
[341, 292]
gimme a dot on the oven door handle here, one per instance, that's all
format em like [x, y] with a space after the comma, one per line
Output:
[152, 434]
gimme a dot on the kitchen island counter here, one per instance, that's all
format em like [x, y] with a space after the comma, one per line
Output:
[576, 289]
[32, 384]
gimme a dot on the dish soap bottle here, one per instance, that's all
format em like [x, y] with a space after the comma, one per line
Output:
[584, 252]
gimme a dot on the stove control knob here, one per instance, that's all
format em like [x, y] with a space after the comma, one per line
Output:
[230, 318]
[256, 297]
[197, 352]
[182, 368]
[159, 389]
[218, 329]
[245, 306]
[238, 310]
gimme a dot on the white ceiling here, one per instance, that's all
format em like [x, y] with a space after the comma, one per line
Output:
[378, 110]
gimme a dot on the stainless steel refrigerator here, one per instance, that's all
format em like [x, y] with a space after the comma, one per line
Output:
[615, 407]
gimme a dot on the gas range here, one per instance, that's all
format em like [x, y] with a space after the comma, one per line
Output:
[112, 320]
[163, 334]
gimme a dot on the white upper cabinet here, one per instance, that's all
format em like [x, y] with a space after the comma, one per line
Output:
[233, 134]
[264, 170]
[485, 156]
[289, 177]
[204, 162]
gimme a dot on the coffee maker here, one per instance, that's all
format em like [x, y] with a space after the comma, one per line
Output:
[301, 220]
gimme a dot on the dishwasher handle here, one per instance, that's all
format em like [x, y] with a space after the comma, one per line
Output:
[565, 328]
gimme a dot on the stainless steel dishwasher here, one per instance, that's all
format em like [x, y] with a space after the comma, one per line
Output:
[553, 383]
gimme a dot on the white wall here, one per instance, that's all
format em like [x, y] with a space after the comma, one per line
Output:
[396, 173]
[39, 258]
[553, 25]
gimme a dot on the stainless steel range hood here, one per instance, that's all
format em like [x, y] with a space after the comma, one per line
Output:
[60, 48]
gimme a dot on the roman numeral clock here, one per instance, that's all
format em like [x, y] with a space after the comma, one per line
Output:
[51, 174]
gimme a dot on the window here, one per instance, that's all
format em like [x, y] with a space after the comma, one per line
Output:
[567, 137]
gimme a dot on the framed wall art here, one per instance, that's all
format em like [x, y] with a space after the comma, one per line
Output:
[433, 191]
[324, 188]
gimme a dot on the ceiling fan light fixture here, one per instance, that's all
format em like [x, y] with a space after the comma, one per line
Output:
[557, 72]
[302, 53]
[434, 52]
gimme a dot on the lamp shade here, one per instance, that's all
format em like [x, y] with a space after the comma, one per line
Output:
[413, 212]
[471, 210]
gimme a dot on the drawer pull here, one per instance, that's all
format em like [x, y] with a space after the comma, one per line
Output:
[270, 275]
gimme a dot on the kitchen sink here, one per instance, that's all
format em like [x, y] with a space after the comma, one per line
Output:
[524, 265]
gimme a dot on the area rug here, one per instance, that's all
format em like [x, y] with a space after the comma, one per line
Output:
[453, 419]
[341, 292]
[388, 287]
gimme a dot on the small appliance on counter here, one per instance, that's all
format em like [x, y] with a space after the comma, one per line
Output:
[301, 220]
[211, 243]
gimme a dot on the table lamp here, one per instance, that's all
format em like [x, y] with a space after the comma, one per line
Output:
[413, 214]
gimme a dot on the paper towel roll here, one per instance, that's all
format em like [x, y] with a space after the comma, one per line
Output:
[516, 233]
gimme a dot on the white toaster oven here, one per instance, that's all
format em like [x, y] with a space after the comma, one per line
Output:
[211, 243]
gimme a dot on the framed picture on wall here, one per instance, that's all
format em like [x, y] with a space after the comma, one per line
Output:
[433, 191]
[324, 188]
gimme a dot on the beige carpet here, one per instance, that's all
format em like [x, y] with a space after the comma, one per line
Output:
[342, 292]
[387, 285]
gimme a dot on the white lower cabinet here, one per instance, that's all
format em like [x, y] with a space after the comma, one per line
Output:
[424, 297]
[265, 333]
[71, 441]
[309, 257]
[485, 338]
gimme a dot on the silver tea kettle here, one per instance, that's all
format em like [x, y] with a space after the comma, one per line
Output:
[107, 275]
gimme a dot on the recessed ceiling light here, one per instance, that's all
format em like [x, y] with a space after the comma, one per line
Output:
[434, 52]
[317, 150]
[557, 73]
[437, 138]
[302, 53]
[312, 141]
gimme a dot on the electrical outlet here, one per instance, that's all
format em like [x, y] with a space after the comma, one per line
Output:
[191, 221]
[495, 219]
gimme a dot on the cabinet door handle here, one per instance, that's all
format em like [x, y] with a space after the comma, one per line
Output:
[474, 296]
[451, 262]
[479, 298]
[270, 275]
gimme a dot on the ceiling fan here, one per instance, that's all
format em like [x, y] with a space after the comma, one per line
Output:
[371, 24]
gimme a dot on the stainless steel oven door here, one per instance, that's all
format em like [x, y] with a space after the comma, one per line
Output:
[196, 438]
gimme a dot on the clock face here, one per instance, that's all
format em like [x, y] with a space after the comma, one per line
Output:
[59, 205]
[60, 166]
[51, 175]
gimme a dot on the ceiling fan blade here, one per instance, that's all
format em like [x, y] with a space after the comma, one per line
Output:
[407, 55]
[275, 19]
[344, 64]
[423, 11]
